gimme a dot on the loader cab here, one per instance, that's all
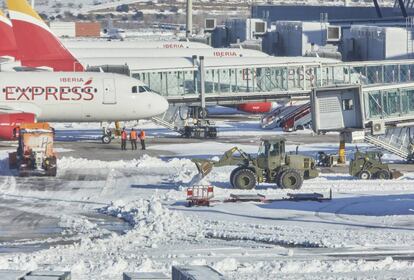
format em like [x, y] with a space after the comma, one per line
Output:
[271, 153]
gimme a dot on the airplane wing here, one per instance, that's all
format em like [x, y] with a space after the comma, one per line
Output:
[12, 115]
[13, 108]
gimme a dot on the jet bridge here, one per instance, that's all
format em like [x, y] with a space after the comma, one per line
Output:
[232, 81]
[211, 81]
[379, 115]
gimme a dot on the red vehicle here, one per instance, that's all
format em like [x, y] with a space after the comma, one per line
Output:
[199, 195]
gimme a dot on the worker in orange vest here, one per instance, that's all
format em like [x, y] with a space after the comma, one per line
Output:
[142, 138]
[133, 138]
[124, 137]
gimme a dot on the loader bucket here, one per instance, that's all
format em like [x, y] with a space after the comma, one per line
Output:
[395, 174]
[204, 167]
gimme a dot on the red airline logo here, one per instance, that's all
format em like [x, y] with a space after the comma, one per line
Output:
[49, 93]
[173, 46]
[225, 53]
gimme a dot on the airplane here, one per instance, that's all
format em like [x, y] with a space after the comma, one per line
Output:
[27, 24]
[67, 96]
[138, 44]
[112, 33]
[47, 50]
[73, 97]
[127, 53]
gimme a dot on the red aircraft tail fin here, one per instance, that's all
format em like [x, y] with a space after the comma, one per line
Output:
[37, 45]
[7, 43]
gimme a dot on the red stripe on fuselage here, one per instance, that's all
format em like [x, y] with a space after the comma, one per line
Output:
[38, 47]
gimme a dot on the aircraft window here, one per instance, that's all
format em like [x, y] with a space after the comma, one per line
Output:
[134, 89]
[144, 89]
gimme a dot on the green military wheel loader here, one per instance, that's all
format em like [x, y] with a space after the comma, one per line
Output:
[369, 165]
[271, 165]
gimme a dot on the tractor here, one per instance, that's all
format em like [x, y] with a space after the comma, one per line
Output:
[271, 165]
[369, 165]
[34, 155]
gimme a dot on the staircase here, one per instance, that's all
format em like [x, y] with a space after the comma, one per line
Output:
[172, 119]
[277, 116]
[396, 141]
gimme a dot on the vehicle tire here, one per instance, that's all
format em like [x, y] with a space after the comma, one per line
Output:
[290, 179]
[244, 179]
[212, 132]
[202, 113]
[382, 175]
[232, 176]
[50, 166]
[23, 172]
[51, 172]
[106, 139]
[300, 127]
[364, 175]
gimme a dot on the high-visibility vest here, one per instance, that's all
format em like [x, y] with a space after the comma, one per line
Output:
[133, 135]
[142, 135]
[124, 135]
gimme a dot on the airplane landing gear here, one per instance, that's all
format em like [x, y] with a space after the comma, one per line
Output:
[107, 136]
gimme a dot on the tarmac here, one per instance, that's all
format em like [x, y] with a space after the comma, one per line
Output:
[16, 224]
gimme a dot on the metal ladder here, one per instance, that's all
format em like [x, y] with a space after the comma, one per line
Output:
[171, 119]
[274, 118]
[396, 141]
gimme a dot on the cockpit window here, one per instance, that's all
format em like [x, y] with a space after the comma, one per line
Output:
[139, 89]
[144, 89]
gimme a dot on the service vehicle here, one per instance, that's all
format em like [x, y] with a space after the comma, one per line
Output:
[271, 165]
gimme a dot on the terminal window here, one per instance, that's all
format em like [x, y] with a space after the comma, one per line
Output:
[347, 104]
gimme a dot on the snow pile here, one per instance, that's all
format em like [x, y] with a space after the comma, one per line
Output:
[306, 237]
[154, 227]
[317, 269]
[82, 163]
[151, 219]
[179, 170]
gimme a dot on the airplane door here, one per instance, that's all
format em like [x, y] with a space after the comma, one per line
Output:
[109, 96]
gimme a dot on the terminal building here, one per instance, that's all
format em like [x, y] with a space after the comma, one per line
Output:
[336, 14]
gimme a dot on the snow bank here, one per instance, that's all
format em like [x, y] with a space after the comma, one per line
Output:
[150, 218]
[154, 226]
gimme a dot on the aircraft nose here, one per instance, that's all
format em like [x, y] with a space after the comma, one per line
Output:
[161, 104]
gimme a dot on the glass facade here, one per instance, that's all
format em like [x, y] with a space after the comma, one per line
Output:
[389, 102]
[291, 78]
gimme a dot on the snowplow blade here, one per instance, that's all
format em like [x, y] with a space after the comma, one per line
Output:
[395, 174]
[204, 166]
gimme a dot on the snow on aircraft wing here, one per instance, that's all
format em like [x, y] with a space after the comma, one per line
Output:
[15, 108]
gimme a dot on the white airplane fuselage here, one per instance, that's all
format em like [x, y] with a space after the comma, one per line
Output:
[141, 44]
[78, 97]
[127, 53]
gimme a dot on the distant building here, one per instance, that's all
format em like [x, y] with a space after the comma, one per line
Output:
[273, 13]
[376, 43]
[76, 29]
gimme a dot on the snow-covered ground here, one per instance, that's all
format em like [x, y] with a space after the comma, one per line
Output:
[366, 231]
